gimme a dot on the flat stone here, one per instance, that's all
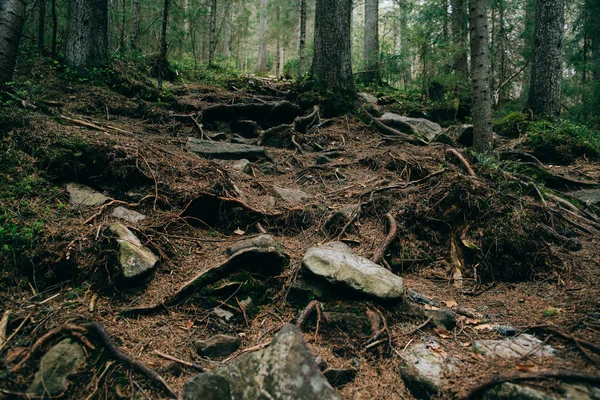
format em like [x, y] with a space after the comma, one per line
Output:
[225, 151]
[286, 370]
[591, 197]
[428, 129]
[291, 195]
[367, 98]
[135, 259]
[130, 216]
[259, 242]
[336, 263]
[84, 196]
[515, 347]
[223, 314]
[340, 376]
[217, 346]
[422, 367]
[55, 367]
[243, 165]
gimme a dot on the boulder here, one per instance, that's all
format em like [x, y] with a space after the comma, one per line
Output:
[223, 314]
[462, 134]
[56, 365]
[286, 370]
[422, 367]
[84, 196]
[135, 259]
[429, 130]
[243, 165]
[130, 216]
[336, 263]
[291, 195]
[217, 346]
[225, 151]
[511, 391]
[590, 197]
[367, 98]
[515, 347]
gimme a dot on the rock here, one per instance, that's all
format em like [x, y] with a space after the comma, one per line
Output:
[135, 259]
[322, 160]
[238, 139]
[291, 195]
[336, 263]
[511, 391]
[580, 391]
[590, 197]
[515, 347]
[217, 346]
[340, 376]
[223, 314]
[56, 365]
[243, 165]
[462, 134]
[84, 196]
[173, 368]
[341, 217]
[367, 98]
[286, 370]
[225, 151]
[420, 299]
[429, 130]
[130, 216]
[443, 318]
[219, 137]
[247, 302]
[505, 330]
[259, 242]
[269, 169]
[422, 367]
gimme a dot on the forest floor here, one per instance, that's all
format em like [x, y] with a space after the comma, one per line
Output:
[491, 225]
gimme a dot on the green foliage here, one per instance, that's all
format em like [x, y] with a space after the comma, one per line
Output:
[563, 142]
[511, 125]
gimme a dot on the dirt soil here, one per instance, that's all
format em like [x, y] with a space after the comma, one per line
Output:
[134, 151]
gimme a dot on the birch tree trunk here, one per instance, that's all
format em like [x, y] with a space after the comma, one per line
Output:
[12, 13]
[87, 39]
[480, 77]
[262, 38]
[545, 92]
[371, 45]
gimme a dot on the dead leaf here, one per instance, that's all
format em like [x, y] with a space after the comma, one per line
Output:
[526, 368]
[450, 303]
[189, 325]
[443, 333]
[239, 232]
[428, 307]
[472, 321]
[484, 328]
[465, 344]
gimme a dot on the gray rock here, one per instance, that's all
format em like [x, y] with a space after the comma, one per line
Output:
[219, 137]
[515, 347]
[591, 197]
[341, 217]
[84, 196]
[286, 370]
[340, 376]
[243, 165]
[269, 168]
[505, 330]
[511, 391]
[580, 391]
[336, 263]
[135, 259]
[223, 314]
[259, 242]
[291, 195]
[367, 98]
[428, 129]
[443, 318]
[247, 303]
[422, 367]
[56, 365]
[238, 139]
[217, 346]
[462, 134]
[130, 216]
[225, 151]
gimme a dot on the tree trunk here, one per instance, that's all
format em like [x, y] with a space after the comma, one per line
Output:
[162, 57]
[480, 77]
[545, 92]
[332, 63]
[12, 14]
[527, 53]
[262, 38]
[135, 34]
[123, 22]
[459, 31]
[371, 46]
[213, 32]
[54, 27]
[87, 40]
[227, 33]
[41, 25]
[302, 38]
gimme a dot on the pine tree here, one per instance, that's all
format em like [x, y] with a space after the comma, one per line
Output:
[87, 40]
[12, 13]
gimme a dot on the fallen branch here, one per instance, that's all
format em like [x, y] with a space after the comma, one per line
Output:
[312, 306]
[179, 361]
[112, 203]
[549, 374]
[462, 160]
[393, 230]
[554, 330]
[4, 327]
[423, 325]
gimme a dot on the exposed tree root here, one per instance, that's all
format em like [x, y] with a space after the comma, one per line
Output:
[179, 361]
[95, 327]
[112, 203]
[279, 111]
[386, 130]
[312, 306]
[303, 124]
[462, 160]
[554, 330]
[549, 374]
[393, 230]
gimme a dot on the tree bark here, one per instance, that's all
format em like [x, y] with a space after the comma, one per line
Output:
[480, 76]
[135, 34]
[41, 25]
[123, 23]
[87, 39]
[262, 38]
[227, 33]
[460, 32]
[12, 13]
[302, 38]
[371, 45]
[54, 27]
[332, 65]
[162, 57]
[213, 32]
[545, 92]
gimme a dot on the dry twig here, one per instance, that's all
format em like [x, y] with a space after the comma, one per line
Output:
[379, 253]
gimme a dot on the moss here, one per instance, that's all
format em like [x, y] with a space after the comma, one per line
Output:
[512, 125]
[562, 143]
